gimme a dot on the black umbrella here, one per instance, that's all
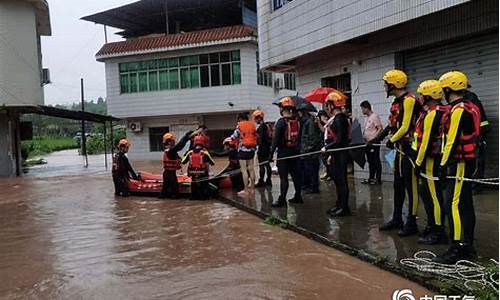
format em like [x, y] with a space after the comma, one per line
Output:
[296, 99]
[357, 155]
[307, 106]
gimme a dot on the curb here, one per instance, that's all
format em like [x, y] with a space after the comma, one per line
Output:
[429, 282]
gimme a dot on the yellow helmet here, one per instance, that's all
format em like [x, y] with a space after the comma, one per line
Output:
[123, 143]
[168, 137]
[454, 80]
[397, 78]
[431, 88]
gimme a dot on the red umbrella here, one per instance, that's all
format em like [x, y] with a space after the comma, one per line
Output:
[319, 94]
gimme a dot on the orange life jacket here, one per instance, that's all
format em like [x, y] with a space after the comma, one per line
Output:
[248, 133]
[292, 133]
[171, 164]
[197, 165]
[434, 148]
[466, 144]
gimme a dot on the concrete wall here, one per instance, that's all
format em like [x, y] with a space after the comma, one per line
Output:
[20, 77]
[304, 26]
[245, 96]
[367, 59]
[9, 127]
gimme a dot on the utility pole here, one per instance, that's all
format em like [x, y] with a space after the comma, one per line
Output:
[105, 34]
[84, 138]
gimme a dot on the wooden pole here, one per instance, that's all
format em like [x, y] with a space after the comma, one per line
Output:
[84, 138]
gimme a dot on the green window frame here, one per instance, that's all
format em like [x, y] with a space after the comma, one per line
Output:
[184, 72]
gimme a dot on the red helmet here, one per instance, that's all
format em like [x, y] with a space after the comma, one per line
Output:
[199, 140]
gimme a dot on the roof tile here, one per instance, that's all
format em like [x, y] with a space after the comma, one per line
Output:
[179, 39]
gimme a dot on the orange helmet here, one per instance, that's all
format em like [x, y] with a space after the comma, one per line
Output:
[338, 99]
[168, 137]
[123, 143]
[199, 140]
[287, 102]
[258, 113]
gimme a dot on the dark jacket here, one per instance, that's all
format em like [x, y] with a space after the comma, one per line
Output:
[339, 125]
[310, 139]
[279, 140]
[172, 153]
[122, 167]
[263, 142]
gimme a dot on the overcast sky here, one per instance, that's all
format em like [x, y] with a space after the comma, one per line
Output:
[70, 52]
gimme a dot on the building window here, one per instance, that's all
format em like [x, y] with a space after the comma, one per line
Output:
[277, 4]
[156, 138]
[342, 83]
[186, 72]
[263, 78]
[290, 81]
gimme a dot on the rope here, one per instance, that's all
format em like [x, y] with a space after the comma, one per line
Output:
[473, 275]
[486, 181]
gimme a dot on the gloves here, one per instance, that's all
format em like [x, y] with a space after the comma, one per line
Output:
[389, 144]
[323, 150]
[442, 174]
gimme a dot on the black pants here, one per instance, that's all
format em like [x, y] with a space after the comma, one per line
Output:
[459, 203]
[121, 185]
[263, 156]
[311, 173]
[431, 192]
[285, 167]
[338, 170]
[404, 181]
[374, 163]
[481, 164]
[170, 186]
[199, 187]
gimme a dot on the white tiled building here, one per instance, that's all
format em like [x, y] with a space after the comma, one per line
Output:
[177, 81]
[349, 44]
[22, 22]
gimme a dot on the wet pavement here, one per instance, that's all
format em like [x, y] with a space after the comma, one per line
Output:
[64, 235]
[371, 206]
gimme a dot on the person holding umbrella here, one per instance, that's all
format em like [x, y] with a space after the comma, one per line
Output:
[337, 132]
[286, 143]
[310, 142]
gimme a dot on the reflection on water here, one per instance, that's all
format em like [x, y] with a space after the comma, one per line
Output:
[69, 237]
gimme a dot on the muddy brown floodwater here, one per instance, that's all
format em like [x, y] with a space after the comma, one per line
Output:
[68, 237]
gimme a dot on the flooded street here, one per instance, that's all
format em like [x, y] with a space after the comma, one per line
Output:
[68, 237]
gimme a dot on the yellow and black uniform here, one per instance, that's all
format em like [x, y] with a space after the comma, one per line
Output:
[404, 113]
[427, 144]
[459, 160]
[172, 163]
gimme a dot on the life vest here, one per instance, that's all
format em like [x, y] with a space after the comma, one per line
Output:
[332, 134]
[197, 165]
[248, 134]
[292, 133]
[397, 115]
[117, 167]
[434, 148]
[270, 130]
[171, 164]
[466, 144]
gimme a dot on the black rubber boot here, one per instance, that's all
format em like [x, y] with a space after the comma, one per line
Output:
[409, 228]
[279, 203]
[436, 236]
[455, 253]
[269, 182]
[296, 200]
[343, 212]
[391, 225]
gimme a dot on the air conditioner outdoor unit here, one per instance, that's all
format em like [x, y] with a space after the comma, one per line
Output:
[135, 126]
[45, 76]
[278, 84]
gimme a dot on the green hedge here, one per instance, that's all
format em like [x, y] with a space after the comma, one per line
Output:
[43, 145]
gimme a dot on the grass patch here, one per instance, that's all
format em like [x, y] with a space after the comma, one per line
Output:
[272, 221]
[44, 145]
